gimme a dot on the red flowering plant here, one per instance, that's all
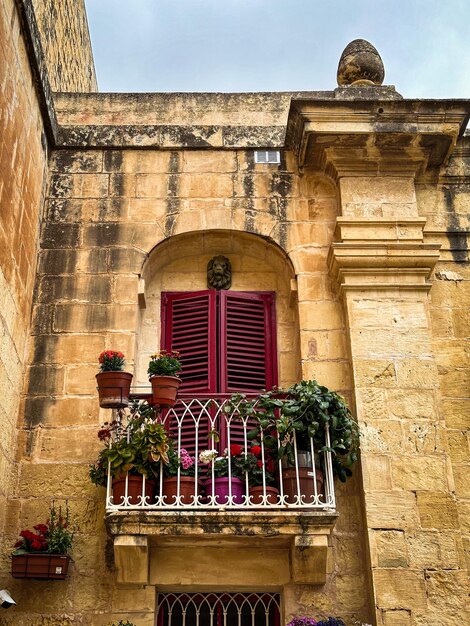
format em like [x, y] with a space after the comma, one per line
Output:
[254, 466]
[111, 361]
[240, 464]
[53, 537]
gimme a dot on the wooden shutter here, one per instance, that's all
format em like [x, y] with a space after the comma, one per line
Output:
[189, 325]
[248, 360]
[248, 356]
[227, 342]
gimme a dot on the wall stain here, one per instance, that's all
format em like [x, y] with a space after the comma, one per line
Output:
[457, 234]
[173, 203]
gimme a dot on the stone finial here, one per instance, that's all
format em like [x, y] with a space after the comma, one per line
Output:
[360, 64]
[219, 273]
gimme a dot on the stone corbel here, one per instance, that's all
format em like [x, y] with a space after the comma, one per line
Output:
[308, 559]
[131, 557]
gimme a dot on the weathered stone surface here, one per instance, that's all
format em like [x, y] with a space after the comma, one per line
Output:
[360, 63]
[437, 510]
[389, 548]
[400, 589]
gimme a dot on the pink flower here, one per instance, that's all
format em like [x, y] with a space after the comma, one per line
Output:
[187, 461]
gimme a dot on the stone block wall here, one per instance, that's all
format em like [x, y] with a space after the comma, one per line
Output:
[66, 44]
[23, 162]
[105, 212]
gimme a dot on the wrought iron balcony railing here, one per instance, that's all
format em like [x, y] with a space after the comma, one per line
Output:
[250, 478]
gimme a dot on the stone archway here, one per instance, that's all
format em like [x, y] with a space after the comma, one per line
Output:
[180, 264]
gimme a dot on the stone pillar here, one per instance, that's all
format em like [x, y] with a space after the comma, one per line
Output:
[383, 266]
[375, 149]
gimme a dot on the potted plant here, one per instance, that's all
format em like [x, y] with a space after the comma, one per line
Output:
[262, 489]
[310, 621]
[180, 469]
[114, 384]
[225, 474]
[131, 451]
[291, 423]
[122, 622]
[45, 553]
[162, 370]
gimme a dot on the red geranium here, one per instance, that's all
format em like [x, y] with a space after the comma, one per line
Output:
[111, 361]
[256, 450]
[235, 449]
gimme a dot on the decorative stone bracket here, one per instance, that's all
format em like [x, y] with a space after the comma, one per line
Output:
[308, 559]
[374, 137]
[131, 557]
[303, 537]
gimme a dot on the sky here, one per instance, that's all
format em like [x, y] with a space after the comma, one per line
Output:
[277, 45]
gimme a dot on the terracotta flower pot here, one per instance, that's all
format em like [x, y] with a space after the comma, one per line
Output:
[289, 482]
[220, 489]
[164, 389]
[37, 565]
[134, 490]
[257, 493]
[114, 389]
[187, 489]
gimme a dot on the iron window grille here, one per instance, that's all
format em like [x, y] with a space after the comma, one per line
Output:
[218, 609]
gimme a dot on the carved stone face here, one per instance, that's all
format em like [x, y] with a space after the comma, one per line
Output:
[219, 273]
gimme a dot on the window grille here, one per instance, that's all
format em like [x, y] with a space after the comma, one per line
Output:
[267, 156]
[218, 609]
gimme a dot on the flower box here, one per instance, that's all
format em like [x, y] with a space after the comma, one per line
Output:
[45, 566]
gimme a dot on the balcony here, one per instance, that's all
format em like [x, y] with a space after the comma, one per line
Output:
[238, 491]
[216, 421]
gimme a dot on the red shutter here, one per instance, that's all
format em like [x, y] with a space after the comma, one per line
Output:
[227, 342]
[189, 326]
[248, 356]
[248, 360]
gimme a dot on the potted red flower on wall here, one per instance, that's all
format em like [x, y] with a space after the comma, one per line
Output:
[163, 370]
[45, 553]
[114, 384]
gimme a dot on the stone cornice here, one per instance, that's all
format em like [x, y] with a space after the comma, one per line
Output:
[379, 266]
[375, 137]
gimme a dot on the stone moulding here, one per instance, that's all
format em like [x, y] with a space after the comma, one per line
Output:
[383, 266]
[304, 535]
[377, 137]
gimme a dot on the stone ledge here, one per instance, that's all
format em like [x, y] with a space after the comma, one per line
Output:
[226, 523]
[303, 534]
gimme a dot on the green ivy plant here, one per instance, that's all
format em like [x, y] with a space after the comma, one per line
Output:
[298, 414]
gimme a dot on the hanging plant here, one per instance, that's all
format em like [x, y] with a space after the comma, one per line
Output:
[290, 418]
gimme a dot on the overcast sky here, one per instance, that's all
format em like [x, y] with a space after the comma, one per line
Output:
[277, 45]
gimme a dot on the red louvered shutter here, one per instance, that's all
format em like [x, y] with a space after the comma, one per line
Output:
[248, 355]
[247, 342]
[227, 342]
[189, 326]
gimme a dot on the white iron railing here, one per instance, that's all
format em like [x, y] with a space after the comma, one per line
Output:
[215, 424]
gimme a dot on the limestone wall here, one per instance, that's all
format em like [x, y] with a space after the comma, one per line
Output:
[105, 211]
[22, 181]
[447, 210]
[66, 44]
